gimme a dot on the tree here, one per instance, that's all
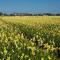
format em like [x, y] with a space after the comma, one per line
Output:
[1, 13]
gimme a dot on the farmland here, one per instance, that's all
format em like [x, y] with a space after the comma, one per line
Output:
[29, 37]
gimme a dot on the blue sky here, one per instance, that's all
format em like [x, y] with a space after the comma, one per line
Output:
[32, 6]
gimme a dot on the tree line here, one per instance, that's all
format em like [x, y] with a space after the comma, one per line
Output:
[28, 14]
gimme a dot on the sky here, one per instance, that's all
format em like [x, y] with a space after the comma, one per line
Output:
[30, 6]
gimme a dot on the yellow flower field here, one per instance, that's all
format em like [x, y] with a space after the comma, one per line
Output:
[29, 37]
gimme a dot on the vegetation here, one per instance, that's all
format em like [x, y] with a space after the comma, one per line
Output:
[29, 14]
[29, 38]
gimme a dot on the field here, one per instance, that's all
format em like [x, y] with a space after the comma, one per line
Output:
[29, 37]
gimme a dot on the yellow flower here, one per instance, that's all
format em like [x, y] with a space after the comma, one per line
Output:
[49, 57]
[33, 50]
[22, 36]
[5, 51]
[22, 55]
[26, 56]
[8, 58]
[42, 58]
[29, 59]
[48, 46]
[32, 43]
